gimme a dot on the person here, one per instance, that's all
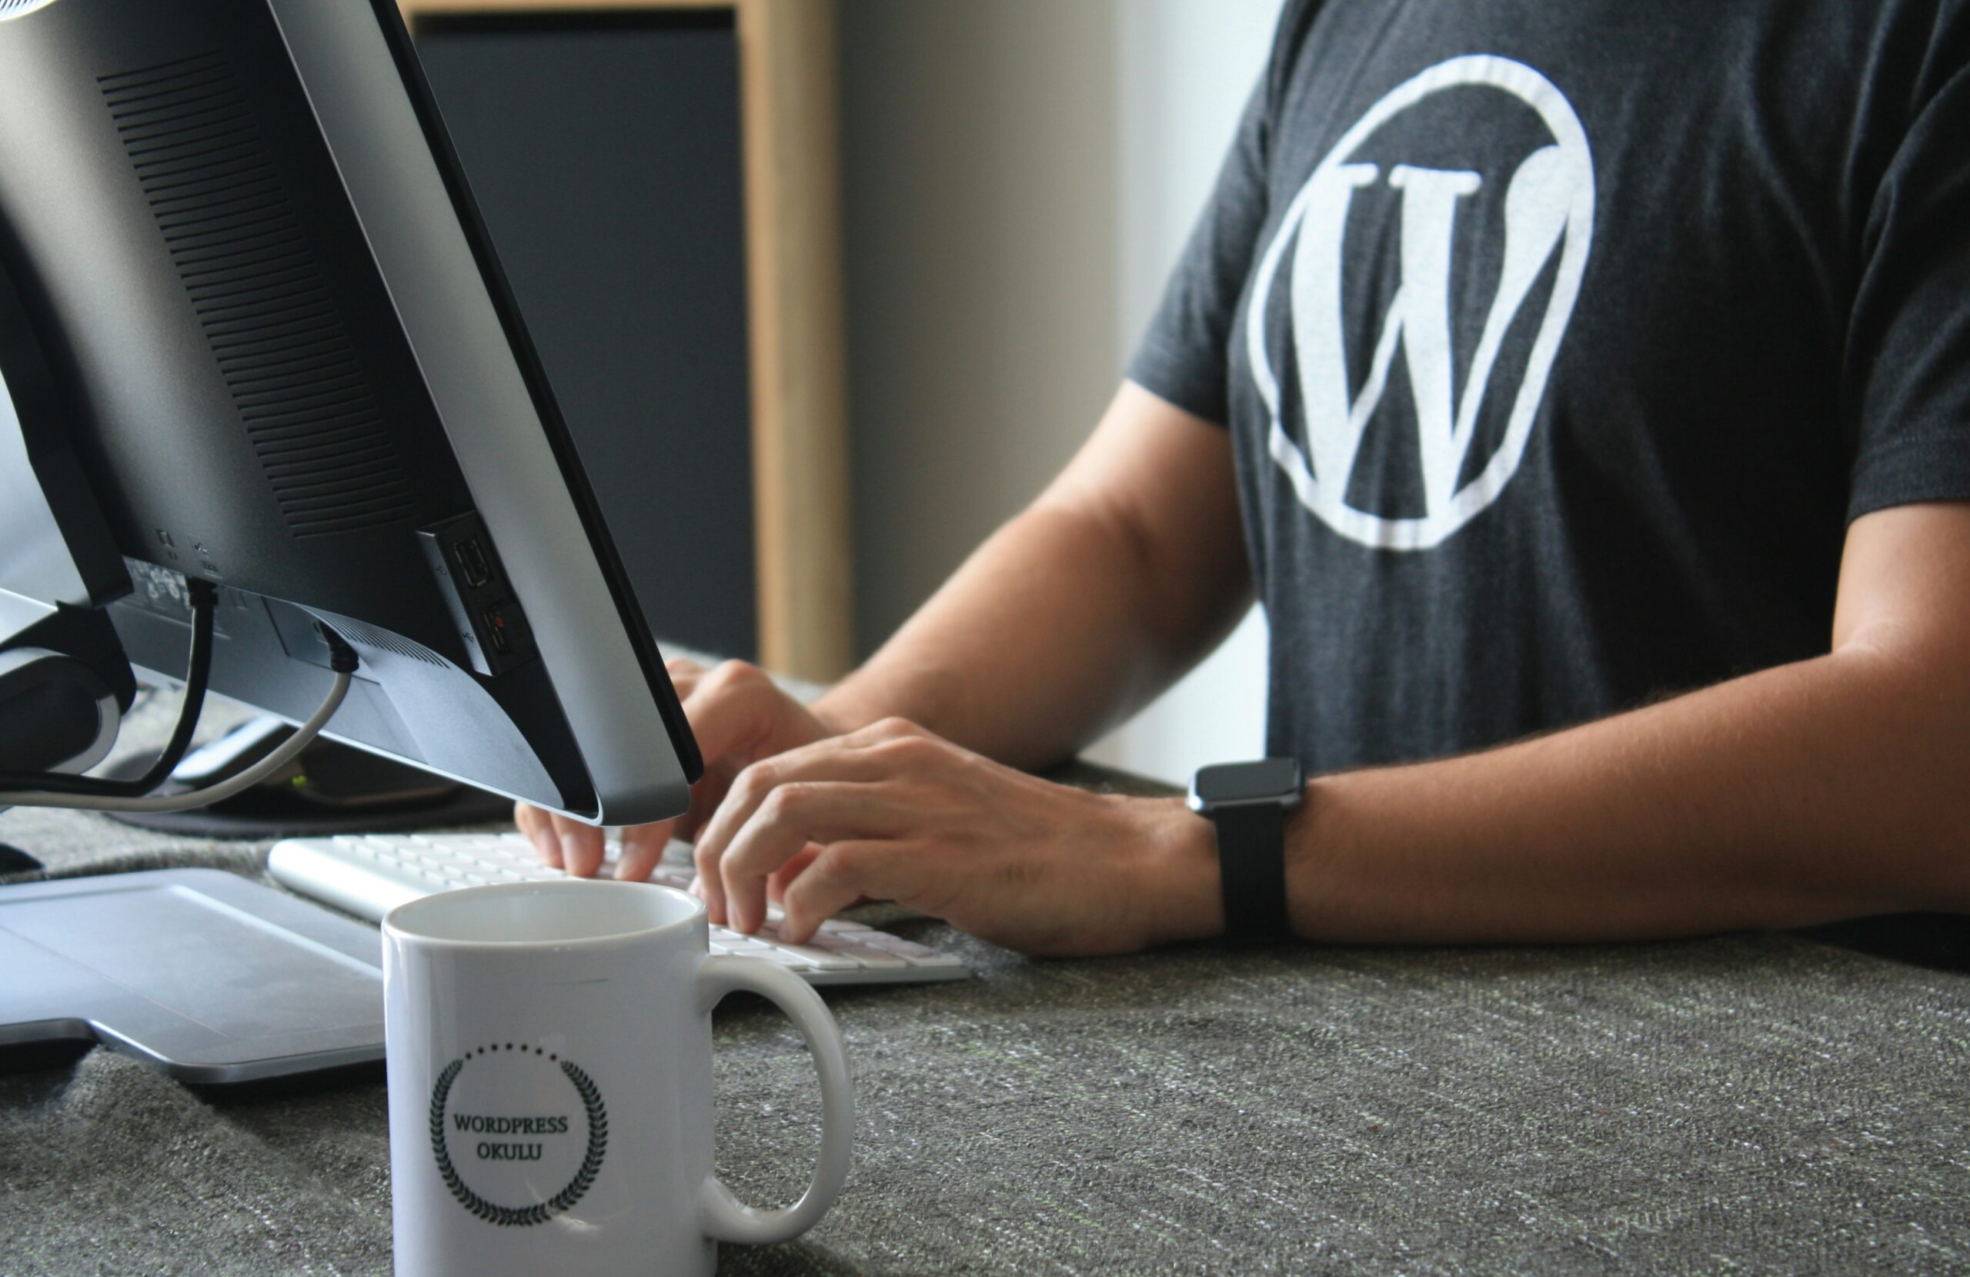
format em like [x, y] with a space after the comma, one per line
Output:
[1584, 391]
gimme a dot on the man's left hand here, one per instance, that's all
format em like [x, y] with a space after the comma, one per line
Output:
[894, 812]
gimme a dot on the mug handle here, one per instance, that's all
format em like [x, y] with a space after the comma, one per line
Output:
[724, 1216]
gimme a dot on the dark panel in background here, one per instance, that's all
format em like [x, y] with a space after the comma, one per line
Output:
[604, 152]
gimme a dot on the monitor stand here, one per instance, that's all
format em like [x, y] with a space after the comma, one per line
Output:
[330, 789]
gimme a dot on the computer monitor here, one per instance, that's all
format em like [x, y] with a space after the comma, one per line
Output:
[259, 338]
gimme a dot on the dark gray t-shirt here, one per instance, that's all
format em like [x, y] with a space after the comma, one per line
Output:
[1560, 342]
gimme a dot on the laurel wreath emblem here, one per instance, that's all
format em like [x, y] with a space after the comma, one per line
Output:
[540, 1212]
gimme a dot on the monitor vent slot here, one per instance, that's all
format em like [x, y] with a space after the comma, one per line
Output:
[20, 8]
[260, 294]
[363, 636]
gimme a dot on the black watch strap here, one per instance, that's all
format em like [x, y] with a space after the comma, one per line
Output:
[1252, 867]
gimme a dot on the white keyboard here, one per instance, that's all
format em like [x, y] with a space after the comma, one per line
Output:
[370, 875]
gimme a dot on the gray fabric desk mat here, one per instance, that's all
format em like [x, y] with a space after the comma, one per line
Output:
[1765, 1104]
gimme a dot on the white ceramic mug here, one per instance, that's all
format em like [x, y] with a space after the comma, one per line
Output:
[549, 1055]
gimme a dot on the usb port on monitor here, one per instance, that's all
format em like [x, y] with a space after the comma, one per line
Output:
[472, 562]
[496, 636]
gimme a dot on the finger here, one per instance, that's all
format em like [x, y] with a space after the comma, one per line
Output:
[747, 790]
[642, 847]
[844, 873]
[780, 879]
[864, 756]
[792, 816]
[709, 885]
[581, 846]
[705, 797]
[539, 829]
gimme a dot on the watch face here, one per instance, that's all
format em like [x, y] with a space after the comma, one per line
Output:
[1248, 782]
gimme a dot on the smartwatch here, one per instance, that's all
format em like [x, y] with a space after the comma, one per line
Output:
[1248, 803]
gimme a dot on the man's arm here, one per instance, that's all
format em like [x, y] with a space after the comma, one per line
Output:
[1832, 787]
[1117, 578]
[1829, 788]
[1125, 571]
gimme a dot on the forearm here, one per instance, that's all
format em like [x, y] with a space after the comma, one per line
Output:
[1125, 571]
[1826, 789]
[1028, 651]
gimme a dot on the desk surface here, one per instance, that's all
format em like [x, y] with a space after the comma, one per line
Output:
[1767, 1103]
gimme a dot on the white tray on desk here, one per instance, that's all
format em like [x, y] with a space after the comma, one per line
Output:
[211, 977]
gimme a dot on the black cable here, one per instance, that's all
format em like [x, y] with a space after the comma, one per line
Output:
[342, 658]
[258, 774]
[198, 676]
[204, 600]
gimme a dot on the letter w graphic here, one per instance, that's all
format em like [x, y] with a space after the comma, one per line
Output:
[1418, 319]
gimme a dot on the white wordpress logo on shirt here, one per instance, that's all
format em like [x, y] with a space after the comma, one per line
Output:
[1549, 208]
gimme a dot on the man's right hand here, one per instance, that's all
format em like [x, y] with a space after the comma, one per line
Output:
[739, 716]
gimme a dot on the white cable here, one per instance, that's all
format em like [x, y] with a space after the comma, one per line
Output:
[272, 763]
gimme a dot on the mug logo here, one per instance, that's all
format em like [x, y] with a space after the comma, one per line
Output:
[1548, 206]
[511, 1116]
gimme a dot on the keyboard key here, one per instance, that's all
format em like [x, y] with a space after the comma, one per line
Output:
[877, 960]
[842, 941]
[822, 958]
[883, 940]
[793, 961]
[864, 954]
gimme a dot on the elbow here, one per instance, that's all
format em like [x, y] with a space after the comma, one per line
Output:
[1910, 718]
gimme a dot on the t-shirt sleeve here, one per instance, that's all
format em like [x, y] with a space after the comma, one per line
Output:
[1907, 365]
[1183, 357]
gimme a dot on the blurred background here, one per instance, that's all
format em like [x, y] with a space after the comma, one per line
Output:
[1018, 178]
[828, 289]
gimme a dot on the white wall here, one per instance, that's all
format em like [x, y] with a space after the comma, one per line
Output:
[1019, 177]
[1185, 70]
[979, 213]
